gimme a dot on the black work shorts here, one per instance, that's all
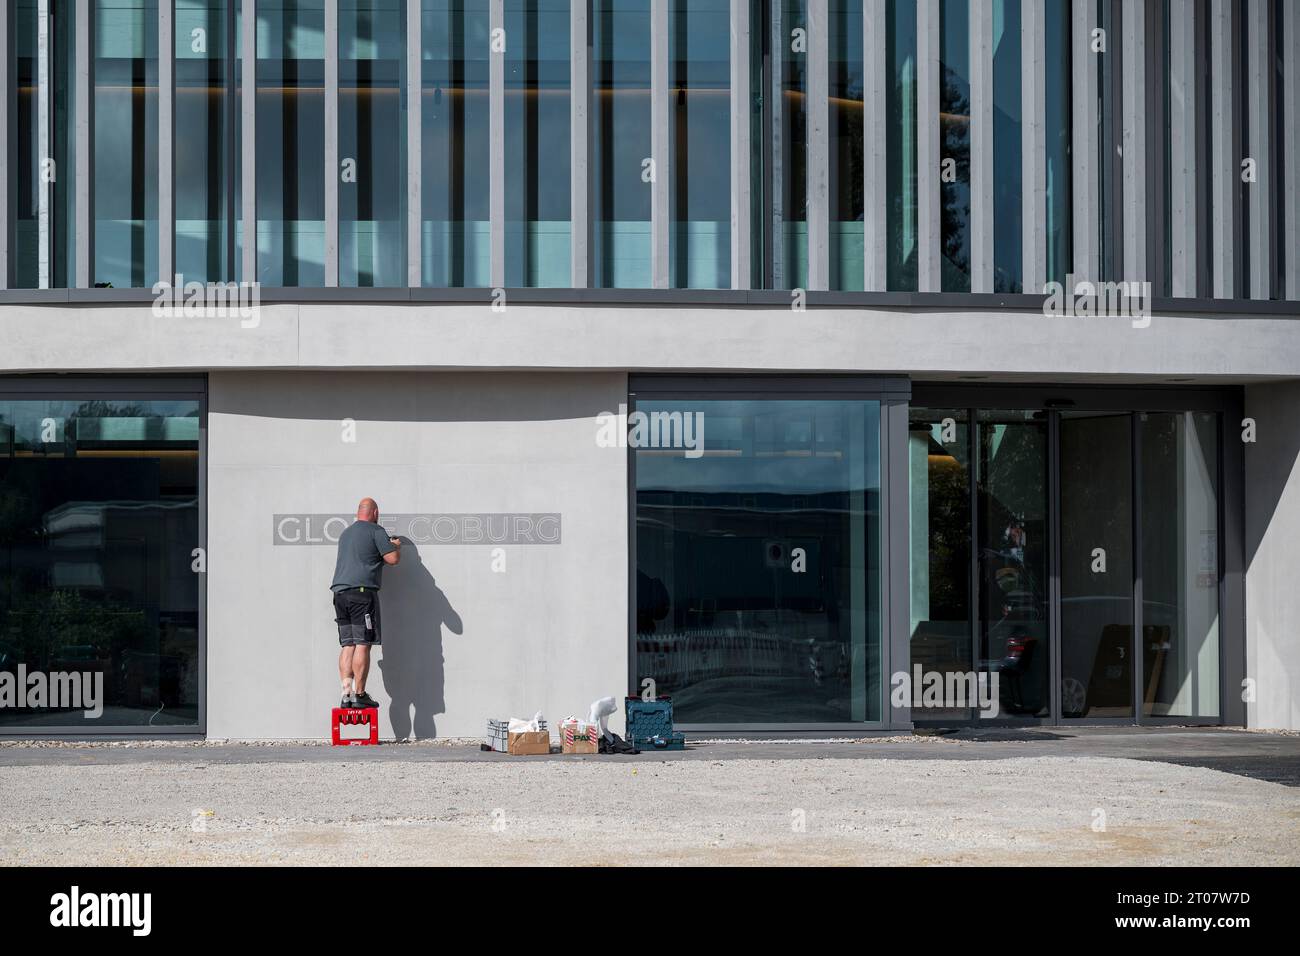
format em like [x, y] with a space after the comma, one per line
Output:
[356, 612]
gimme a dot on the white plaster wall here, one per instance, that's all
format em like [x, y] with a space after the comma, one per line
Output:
[462, 642]
[1273, 555]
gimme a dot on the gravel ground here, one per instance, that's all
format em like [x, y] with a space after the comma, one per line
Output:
[868, 810]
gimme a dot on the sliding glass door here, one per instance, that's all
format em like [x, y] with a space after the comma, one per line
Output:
[1011, 522]
[979, 520]
[1180, 565]
[1096, 527]
[1069, 558]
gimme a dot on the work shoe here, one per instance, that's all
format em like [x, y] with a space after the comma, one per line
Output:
[364, 700]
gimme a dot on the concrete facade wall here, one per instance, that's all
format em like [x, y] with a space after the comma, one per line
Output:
[1273, 555]
[924, 343]
[462, 642]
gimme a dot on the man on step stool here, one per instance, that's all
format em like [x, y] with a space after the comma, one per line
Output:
[364, 549]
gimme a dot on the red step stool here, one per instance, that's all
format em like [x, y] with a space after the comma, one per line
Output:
[352, 716]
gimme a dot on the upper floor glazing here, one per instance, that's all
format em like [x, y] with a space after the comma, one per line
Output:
[976, 146]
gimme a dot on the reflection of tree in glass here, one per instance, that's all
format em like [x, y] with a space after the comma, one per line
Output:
[49, 626]
[949, 539]
[954, 127]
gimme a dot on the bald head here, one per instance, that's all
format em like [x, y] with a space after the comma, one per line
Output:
[367, 510]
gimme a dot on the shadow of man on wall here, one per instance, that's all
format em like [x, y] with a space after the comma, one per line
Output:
[415, 611]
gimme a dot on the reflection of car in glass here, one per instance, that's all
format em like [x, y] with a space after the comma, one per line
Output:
[1097, 650]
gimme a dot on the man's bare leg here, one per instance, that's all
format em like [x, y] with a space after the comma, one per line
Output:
[345, 670]
[360, 667]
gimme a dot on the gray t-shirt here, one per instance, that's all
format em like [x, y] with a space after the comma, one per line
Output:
[361, 556]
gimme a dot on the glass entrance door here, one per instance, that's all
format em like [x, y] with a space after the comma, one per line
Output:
[1068, 557]
[980, 532]
[1012, 536]
[1096, 556]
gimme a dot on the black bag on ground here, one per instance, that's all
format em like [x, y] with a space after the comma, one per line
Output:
[616, 745]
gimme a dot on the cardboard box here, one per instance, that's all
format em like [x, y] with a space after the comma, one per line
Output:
[530, 742]
[579, 737]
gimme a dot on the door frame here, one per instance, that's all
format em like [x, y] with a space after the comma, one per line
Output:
[1225, 401]
[892, 393]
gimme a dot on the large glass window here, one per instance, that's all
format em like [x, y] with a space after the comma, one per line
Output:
[700, 144]
[1008, 231]
[1180, 564]
[846, 144]
[954, 142]
[42, 129]
[1056, 126]
[757, 564]
[621, 143]
[456, 191]
[537, 143]
[900, 146]
[126, 143]
[1110, 161]
[99, 515]
[790, 155]
[205, 124]
[291, 142]
[372, 143]
[1096, 565]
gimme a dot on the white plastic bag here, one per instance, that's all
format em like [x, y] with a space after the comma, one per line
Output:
[599, 714]
[518, 726]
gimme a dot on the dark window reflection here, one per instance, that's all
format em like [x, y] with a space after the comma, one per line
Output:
[954, 142]
[42, 258]
[900, 145]
[456, 45]
[204, 119]
[98, 521]
[291, 143]
[1012, 522]
[1056, 100]
[620, 73]
[537, 127]
[1008, 226]
[126, 143]
[757, 563]
[1096, 565]
[790, 158]
[939, 469]
[372, 134]
[700, 132]
[846, 144]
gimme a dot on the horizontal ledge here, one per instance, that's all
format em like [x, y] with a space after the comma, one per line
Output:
[665, 298]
